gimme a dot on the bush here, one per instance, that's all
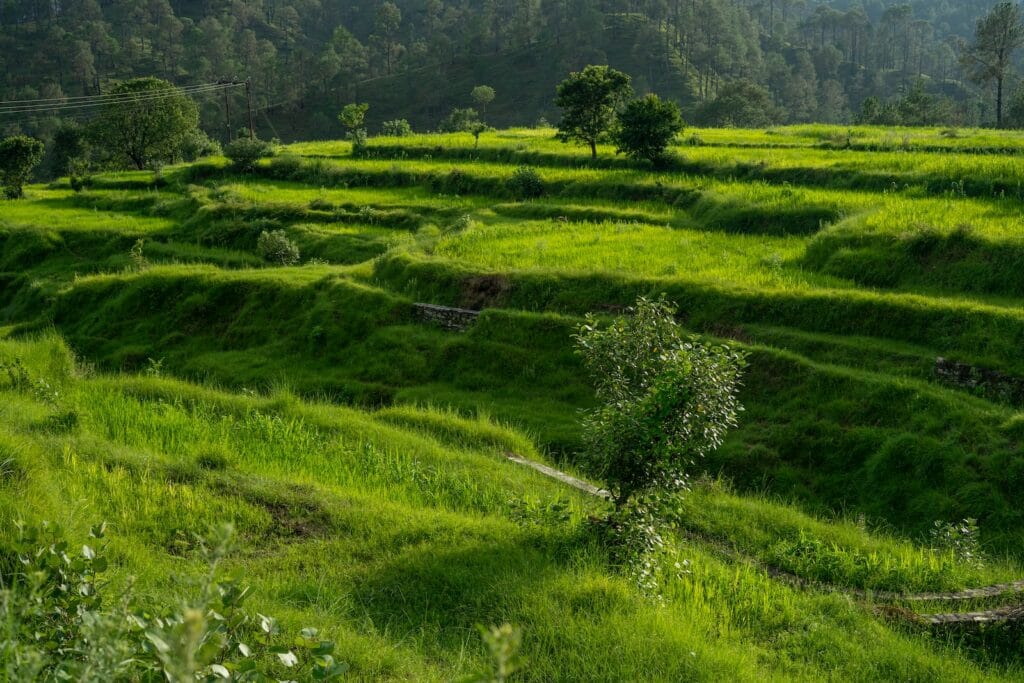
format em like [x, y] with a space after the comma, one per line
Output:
[399, 128]
[276, 248]
[246, 153]
[526, 183]
[59, 625]
[198, 144]
[460, 121]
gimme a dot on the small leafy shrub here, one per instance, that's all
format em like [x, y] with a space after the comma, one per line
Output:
[399, 128]
[276, 248]
[58, 624]
[526, 183]
[321, 204]
[198, 144]
[665, 401]
[961, 538]
[245, 154]
[17, 374]
[79, 180]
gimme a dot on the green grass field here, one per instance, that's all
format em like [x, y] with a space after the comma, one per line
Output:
[173, 379]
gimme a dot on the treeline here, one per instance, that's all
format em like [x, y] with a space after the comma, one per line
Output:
[417, 59]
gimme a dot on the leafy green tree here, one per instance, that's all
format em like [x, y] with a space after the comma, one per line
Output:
[465, 121]
[69, 150]
[386, 25]
[148, 121]
[647, 127]
[18, 156]
[589, 100]
[664, 400]
[990, 58]
[353, 117]
[741, 103]
[482, 96]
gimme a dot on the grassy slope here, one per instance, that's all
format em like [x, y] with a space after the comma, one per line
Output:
[398, 531]
[843, 297]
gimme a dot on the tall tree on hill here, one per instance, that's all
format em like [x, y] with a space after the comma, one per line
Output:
[385, 32]
[149, 120]
[589, 100]
[990, 58]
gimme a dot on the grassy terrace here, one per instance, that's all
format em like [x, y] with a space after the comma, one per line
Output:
[359, 451]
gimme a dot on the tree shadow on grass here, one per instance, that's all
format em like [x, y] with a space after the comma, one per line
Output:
[440, 596]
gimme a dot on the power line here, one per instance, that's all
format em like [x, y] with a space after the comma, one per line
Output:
[72, 99]
[30, 104]
[131, 98]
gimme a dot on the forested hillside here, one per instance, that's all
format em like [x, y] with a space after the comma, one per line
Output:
[417, 59]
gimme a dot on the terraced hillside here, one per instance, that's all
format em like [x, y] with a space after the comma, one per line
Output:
[360, 449]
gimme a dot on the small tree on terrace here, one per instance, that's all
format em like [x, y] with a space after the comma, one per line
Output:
[482, 96]
[18, 156]
[665, 400]
[589, 100]
[647, 127]
[353, 117]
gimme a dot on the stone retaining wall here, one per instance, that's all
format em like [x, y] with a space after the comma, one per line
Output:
[988, 383]
[454, 319]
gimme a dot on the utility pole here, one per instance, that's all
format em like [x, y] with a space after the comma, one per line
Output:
[248, 99]
[227, 114]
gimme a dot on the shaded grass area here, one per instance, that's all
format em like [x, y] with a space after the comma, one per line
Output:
[397, 532]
